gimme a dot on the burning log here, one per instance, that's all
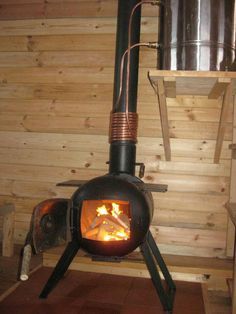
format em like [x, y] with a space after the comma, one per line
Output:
[91, 233]
[102, 232]
[107, 222]
[107, 228]
[96, 222]
[120, 219]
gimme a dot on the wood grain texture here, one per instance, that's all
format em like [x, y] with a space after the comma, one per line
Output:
[85, 108]
[55, 9]
[85, 58]
[184, 150]
[164, 119]
[8, 234]
[221, 130]
[59, 43]
[231, 207]
[29, 27]
[74, 124]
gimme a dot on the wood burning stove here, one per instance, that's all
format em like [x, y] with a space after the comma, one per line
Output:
[109, 216]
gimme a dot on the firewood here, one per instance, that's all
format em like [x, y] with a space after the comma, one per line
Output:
[101, 233]
[112, 222]
[118, 220]
[91, 232]
[122, 222]
[97, 221]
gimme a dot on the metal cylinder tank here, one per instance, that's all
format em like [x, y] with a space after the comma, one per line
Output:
[198, 35]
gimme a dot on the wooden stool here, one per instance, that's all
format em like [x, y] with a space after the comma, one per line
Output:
[8, 213]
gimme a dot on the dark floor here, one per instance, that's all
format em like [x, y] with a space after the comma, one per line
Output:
[91, 293]
[9, 268]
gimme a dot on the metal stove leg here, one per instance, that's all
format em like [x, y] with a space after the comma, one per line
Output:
[153, 258]
[60, 269]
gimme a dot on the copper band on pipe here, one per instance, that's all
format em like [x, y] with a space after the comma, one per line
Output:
[123, 126]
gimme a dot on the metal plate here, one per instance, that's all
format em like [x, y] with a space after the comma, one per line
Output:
[49, 224]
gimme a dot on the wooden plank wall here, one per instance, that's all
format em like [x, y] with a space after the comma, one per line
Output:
[56, 74]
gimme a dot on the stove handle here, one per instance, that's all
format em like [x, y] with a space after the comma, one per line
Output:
[141, 169]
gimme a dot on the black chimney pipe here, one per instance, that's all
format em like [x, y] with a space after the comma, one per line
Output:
[123, 152]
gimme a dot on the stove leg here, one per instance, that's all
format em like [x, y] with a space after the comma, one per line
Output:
[152, 257]
[60, 269]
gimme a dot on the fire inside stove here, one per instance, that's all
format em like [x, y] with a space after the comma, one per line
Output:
[105, 220]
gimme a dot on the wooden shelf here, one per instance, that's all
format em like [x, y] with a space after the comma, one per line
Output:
[202, 83]
[196, 83]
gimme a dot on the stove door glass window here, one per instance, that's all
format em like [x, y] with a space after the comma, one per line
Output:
[105, 220]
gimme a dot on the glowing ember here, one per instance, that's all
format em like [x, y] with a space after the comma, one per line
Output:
[107, 222]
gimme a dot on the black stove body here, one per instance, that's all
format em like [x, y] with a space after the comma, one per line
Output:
[109, 216]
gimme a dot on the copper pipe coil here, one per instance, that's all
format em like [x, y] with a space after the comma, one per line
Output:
[123, 126]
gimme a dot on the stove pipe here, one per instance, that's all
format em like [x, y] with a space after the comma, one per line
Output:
[123, 116]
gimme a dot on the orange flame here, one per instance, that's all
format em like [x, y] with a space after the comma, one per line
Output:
[115, 210]
[102, 211]
[107, 223]
[120, 231]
